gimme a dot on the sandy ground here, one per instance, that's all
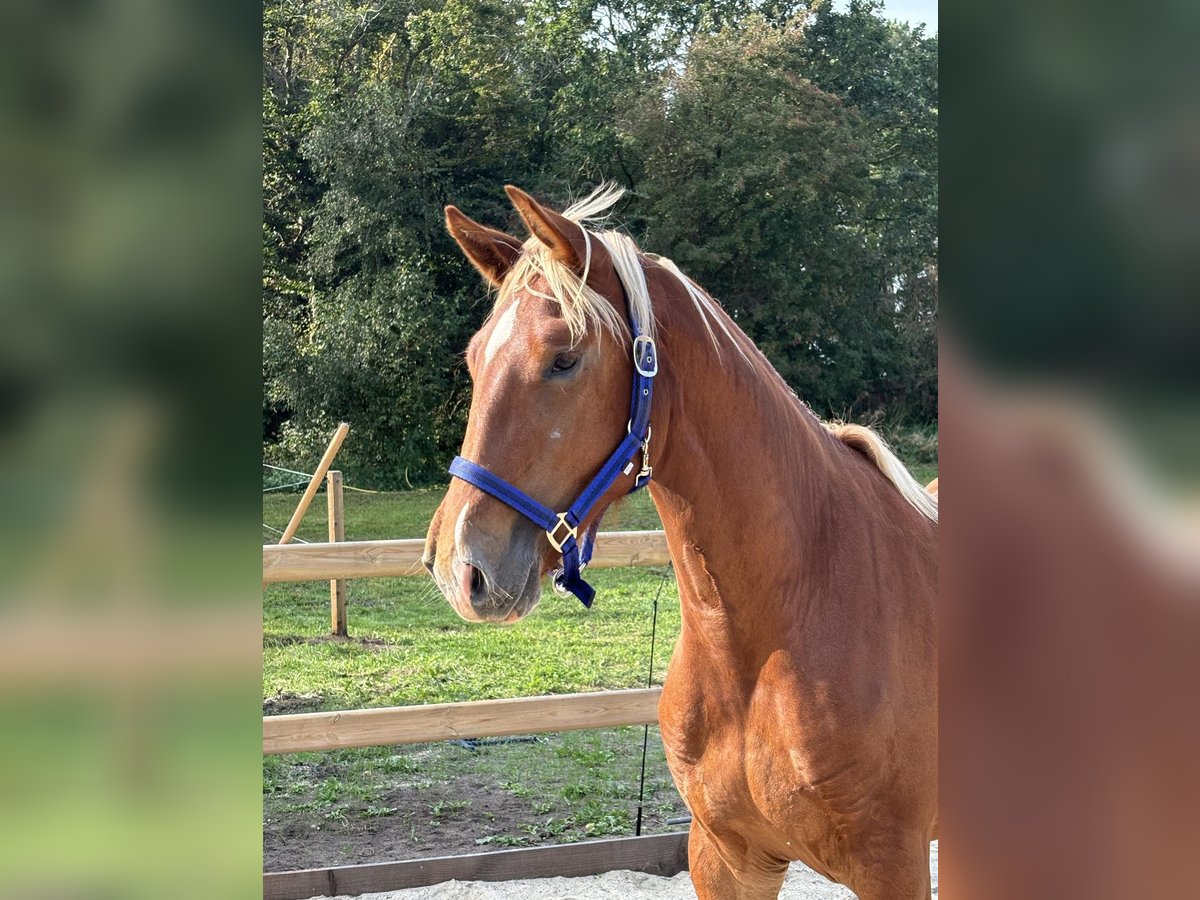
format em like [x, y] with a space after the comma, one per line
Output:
[802, 884]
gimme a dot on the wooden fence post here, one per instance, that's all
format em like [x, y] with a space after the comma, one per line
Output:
[337, 533]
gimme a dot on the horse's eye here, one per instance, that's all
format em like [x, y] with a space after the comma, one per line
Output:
[564, 362]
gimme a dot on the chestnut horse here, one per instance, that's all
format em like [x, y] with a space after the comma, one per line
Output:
[799, 715]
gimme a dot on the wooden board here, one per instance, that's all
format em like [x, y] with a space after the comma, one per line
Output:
[453, 721]
[659, 854]
[390, 559]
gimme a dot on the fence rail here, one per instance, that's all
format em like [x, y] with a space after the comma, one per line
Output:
[454, 721]
[392, 559]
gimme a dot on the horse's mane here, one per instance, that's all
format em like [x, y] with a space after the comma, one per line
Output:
[874, 448]
[584, 310]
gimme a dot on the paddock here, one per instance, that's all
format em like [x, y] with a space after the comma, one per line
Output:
[662, 856]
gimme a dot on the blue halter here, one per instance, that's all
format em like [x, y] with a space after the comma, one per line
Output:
[563, 528]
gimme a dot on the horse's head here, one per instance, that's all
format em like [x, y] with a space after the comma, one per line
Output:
[551, 371]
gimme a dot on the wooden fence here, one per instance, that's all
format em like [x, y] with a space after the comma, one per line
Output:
[339, 560]
[388, 725]
[390, 559]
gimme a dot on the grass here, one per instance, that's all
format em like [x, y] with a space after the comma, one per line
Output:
[553, 789]
[409, 647]
[917, 446]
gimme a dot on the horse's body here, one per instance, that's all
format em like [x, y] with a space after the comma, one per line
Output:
[799, 714]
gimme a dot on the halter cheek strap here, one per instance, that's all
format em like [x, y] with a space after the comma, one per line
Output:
[562, 529]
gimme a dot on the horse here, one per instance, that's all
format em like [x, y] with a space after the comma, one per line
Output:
[799, 712]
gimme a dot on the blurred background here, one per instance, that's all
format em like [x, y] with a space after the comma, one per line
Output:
[1070, 418]
[129, 616]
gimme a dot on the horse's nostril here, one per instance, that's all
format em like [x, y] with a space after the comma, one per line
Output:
[471, 585]
[427, 562]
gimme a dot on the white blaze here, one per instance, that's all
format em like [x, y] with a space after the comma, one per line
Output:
[460, 526]
[501, 333]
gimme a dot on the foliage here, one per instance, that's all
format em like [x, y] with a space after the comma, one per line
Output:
[785, 157]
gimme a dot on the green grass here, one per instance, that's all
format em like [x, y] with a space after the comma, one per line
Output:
[407, 646]
[924, 474]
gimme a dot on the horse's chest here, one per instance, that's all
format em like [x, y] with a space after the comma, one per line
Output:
[754, 764]
[751, 799]
[717, 763]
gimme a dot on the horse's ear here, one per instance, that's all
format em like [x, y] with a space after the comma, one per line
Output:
[492, 252]
[564, 237]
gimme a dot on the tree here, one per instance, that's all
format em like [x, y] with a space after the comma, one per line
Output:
[757, 183]
[786, 173]
[887, 72]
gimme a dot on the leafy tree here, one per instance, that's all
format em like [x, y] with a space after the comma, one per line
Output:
[790, 169]
[756, 182]
[887, 72]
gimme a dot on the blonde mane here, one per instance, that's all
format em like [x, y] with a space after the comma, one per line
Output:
[584, 310]
[875, 448]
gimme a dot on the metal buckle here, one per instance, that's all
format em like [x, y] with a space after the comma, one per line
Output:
[648, 342]
[647, 469]
[571, 533]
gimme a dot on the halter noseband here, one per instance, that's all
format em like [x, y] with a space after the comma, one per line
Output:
[562, 529]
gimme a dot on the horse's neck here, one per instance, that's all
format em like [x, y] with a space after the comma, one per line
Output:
[745, 482]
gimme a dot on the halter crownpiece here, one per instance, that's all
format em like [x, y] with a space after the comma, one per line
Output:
[562, 529]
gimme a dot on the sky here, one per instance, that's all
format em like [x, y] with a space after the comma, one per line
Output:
[914, 12]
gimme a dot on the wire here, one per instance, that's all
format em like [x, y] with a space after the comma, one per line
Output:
[309, 476]
[277, 531]
[649, 683]
[289, 471]
[281, 487]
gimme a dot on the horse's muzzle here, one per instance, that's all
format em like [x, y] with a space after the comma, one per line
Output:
[500, 590]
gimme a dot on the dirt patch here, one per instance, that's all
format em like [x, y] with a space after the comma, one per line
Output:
[382, 804]
[291, 703]
[464, 815]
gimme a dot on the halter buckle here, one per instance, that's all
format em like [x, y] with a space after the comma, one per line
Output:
[650, 353]
[572, 532]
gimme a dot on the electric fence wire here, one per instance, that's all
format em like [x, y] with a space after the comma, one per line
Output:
[277, 531]
[284, 487]
[308, 475]
[649, 683]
